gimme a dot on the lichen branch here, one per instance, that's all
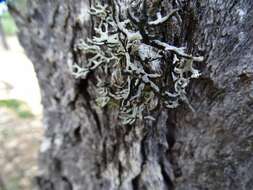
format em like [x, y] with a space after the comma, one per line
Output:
[129, 61]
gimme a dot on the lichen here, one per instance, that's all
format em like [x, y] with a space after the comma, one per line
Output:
[130, 62]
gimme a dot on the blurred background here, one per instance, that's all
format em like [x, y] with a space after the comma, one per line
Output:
[20, 111]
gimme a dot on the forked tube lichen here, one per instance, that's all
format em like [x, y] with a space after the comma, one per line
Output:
[130, 62]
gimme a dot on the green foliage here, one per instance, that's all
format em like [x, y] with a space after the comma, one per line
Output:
[19, 107]
[14, 183]
[8, 24]
[7, 21]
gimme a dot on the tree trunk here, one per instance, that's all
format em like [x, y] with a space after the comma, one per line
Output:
[85, 149]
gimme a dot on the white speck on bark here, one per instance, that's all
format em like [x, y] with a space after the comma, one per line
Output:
[58, 141]
[241, 14]
[46, 144]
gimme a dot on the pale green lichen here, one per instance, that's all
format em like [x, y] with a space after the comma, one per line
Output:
[127, 62]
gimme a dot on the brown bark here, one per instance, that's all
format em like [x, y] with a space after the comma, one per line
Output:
[84, 148]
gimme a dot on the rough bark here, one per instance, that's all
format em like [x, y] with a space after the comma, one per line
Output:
[84, 148]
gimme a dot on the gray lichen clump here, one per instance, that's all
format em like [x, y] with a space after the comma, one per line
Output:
[133, 66]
